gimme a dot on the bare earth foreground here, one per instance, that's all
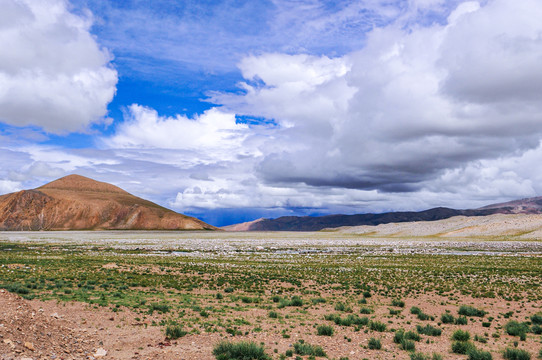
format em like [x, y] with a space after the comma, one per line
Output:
[114, 295]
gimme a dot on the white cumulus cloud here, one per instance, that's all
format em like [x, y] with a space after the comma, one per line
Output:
[53, 74]
[214, 135]
[411, 105]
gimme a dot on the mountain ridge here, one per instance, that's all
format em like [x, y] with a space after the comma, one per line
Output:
[75, 202]
[317, 223]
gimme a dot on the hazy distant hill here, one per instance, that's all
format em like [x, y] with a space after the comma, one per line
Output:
[78, 203]
[316, 223]
[518, 226]
[523, 206]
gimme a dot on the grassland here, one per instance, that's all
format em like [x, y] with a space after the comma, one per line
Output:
[356, 297]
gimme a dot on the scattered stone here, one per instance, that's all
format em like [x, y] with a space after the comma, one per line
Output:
[100, 352]
[29, 346]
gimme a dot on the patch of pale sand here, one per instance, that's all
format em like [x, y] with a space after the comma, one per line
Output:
[110, 266]
[526, 226]
[76, 326]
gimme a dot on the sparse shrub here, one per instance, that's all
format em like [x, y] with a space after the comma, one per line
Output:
[296, 301]
[467, 310]
[515, 328]
[289, 353]
[233, 331]
[462, 347]
[247, 299]
[415, 310]
[367, 294]
[163, 308]
[460, 335]
[398, 303]
[423, 316]
[407, 345]
[365, 311]
[273, 315]
[480, 339]
[394, 311]
[374, 344]
[377, 326]
[516, 354]
[462, 320]
[398, 336]
[175, 331]
[343, 307]
[410, 335]
[347, 321]
[239, 351]
[475, 354]
[419, 356]
[324, 330]
[301, 348]
[537, 318]
[428, 330]
[318, 300]
[364, 320]
[536, 329]
[16, 288]
[422, 356]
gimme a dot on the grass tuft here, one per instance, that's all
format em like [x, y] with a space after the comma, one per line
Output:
[243, 350]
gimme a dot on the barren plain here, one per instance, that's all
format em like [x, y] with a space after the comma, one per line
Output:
[177, 295]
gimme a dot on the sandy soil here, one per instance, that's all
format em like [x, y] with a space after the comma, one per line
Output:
[50, 330]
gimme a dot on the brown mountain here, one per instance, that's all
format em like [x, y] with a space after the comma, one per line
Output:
[75, 202]
[316, 223]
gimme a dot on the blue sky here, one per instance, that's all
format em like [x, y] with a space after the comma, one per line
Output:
[234, 110]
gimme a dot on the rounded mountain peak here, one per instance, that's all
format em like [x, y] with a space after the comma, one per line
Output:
[81, 183]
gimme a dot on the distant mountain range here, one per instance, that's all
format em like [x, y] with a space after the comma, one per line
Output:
[316, 223]
[76, 202]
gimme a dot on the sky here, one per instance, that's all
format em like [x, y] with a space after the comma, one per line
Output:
[235, 110]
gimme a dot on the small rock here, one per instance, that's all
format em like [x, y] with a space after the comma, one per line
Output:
[100, 352]
[29, 346]
[9, 342]
[55, 315]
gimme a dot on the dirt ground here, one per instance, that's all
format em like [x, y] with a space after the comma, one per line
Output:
[51, 330]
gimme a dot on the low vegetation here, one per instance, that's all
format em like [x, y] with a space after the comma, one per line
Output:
[242, 350]
[362, 297]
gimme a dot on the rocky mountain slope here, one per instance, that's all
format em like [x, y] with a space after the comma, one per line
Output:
[316, 223]
[75, 202]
